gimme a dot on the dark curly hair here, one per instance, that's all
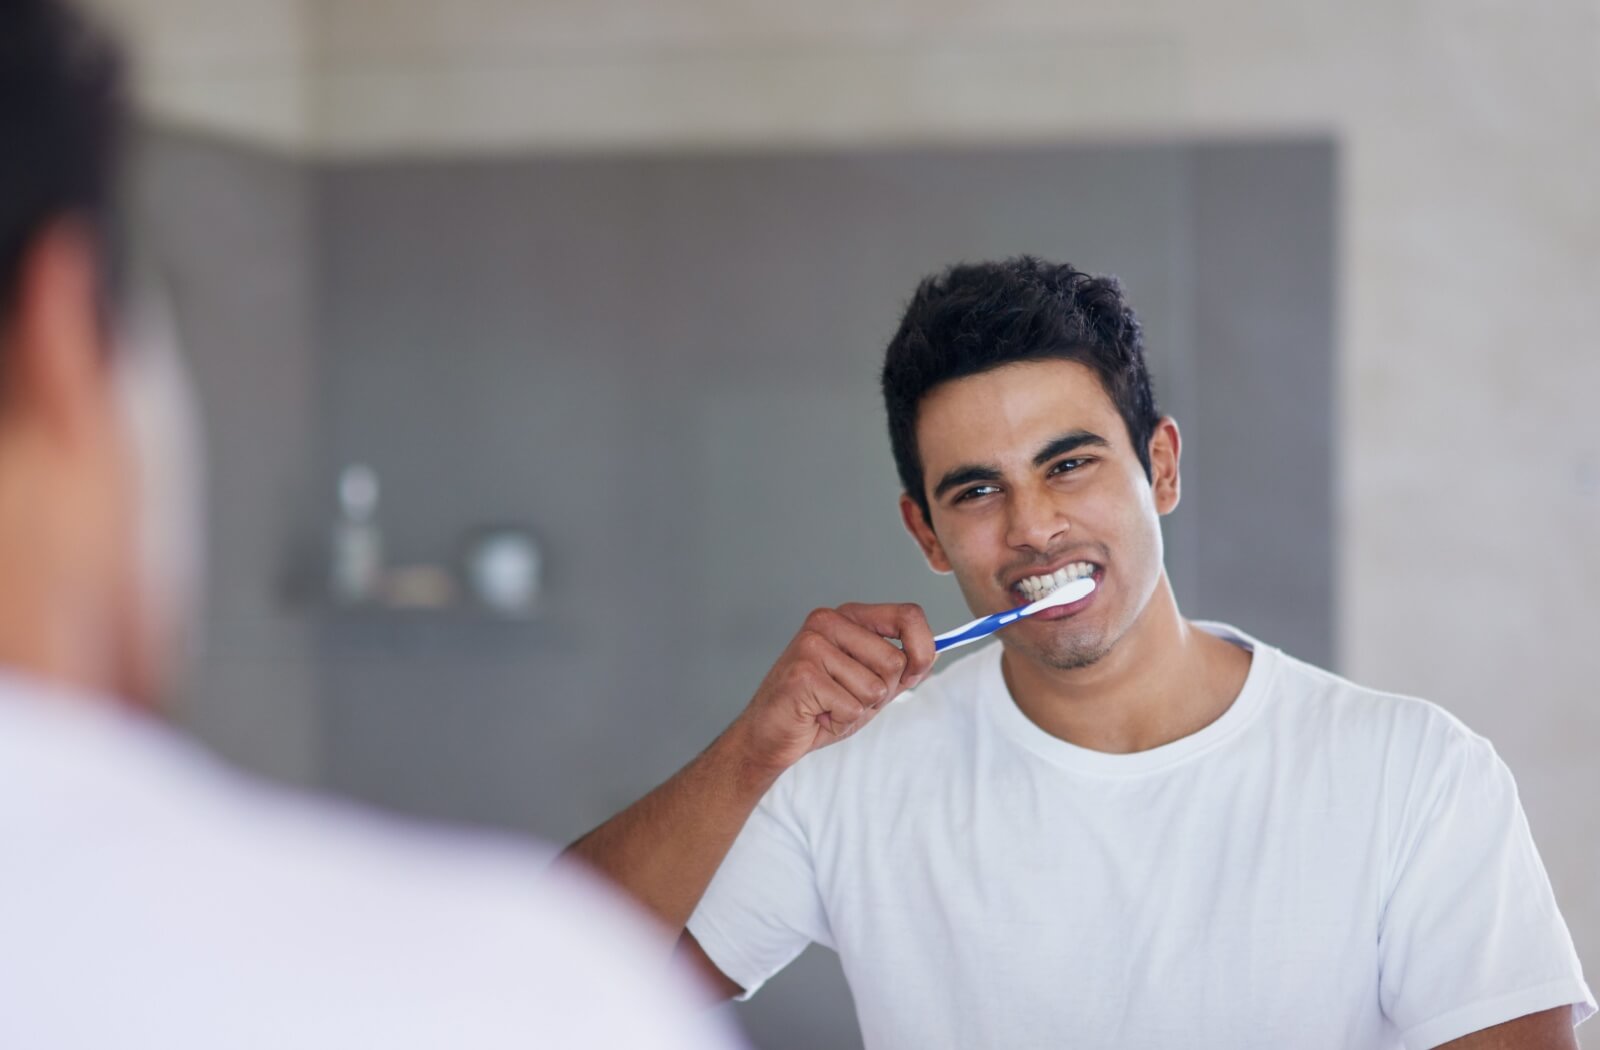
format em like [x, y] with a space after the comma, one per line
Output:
[61, 124]
[974, 317]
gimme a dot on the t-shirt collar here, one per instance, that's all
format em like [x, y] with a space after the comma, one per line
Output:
[996, 698]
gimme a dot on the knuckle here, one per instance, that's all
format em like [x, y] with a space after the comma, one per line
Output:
[892, 666]
[815, 646]
[818, 617]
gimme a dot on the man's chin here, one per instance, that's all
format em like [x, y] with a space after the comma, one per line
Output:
[1065, 654]
[1073, 659]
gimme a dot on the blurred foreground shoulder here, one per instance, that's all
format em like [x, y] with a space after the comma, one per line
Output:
[204, 908]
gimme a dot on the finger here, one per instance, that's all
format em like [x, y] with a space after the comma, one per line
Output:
[905, 622]
[838, 710]
[864, 646]
[859, 680]
[916, 637]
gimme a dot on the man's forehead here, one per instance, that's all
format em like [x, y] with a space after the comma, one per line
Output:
[1011, 412]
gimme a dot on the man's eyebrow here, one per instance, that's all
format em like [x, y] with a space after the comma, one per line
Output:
[1068, 442]
[964, 475]
[967, 473]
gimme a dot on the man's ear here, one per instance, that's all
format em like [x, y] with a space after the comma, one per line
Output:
[55, 367]
[1166, 447]
[917, 524]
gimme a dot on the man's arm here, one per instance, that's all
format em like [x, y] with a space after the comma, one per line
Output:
[834, 677]
[1546, 1030]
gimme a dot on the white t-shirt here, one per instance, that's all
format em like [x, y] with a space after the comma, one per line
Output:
[1322, 866]
[150, 897]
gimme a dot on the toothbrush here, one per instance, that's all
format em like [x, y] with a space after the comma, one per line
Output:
[983, 627]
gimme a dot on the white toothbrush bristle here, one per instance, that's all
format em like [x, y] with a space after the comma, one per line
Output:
[1066, 594]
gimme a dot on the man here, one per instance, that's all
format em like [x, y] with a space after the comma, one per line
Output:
[148, 896]
[1117, 827]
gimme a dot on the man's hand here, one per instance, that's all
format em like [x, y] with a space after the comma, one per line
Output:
[834, 677]
[831, 680]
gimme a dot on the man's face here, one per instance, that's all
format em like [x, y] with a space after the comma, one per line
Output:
[1031, 478]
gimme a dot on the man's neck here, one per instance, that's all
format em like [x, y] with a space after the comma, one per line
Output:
[40, 649]
[52, 626]
[1163, 680]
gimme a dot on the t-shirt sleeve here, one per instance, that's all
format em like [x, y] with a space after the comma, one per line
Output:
[1470, 935]
[763, 906]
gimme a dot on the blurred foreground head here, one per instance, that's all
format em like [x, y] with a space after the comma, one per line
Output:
[96, 533]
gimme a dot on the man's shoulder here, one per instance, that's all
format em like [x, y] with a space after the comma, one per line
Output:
[406, 933]
[1334, 709]
[105, 785]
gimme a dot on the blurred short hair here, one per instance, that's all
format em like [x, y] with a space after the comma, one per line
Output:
[974, 317]
[61, 125]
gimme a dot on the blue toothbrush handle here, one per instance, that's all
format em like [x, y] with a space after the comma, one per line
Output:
[972, 632]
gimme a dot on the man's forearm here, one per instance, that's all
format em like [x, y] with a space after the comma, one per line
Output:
[665, 848]
[831, 680]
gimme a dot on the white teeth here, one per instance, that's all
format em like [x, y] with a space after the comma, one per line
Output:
[1035, 587]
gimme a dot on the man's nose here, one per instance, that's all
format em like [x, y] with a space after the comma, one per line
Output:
[1038, 520]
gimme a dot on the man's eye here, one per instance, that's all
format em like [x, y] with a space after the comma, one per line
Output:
[1067, 466]
[976, 492]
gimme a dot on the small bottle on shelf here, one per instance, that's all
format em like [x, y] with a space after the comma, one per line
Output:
[357, 562]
